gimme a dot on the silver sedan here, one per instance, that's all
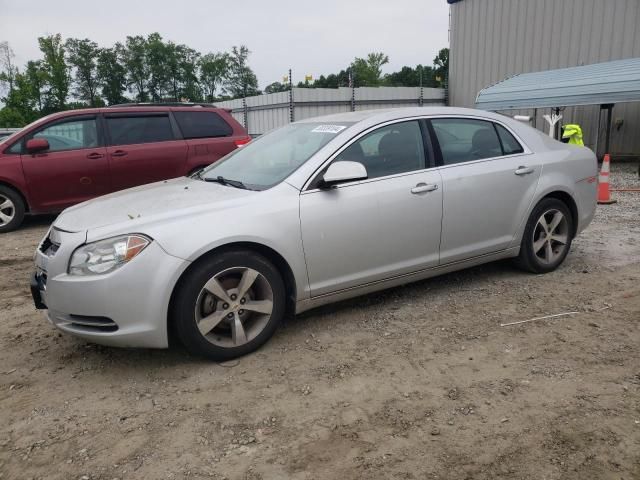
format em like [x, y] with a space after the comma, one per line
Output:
[318, 211]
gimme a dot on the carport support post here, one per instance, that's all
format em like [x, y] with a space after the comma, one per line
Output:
[535, 116]
[556, 128]
[607, 138]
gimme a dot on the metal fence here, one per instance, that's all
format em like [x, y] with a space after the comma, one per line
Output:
[262, 113]
[5, 132]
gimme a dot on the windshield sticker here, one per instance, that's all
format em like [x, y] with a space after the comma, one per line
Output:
[328, 129]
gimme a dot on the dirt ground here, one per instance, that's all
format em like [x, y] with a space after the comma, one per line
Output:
[417, 382]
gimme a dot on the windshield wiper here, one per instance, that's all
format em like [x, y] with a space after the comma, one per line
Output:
[226, 181]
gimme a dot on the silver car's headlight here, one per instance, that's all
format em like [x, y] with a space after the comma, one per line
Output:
[107, 255]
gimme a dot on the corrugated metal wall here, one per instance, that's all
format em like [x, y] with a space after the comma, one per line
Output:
[494, 39]
[266, 112]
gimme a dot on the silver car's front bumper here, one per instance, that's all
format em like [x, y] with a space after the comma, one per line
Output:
[125, 308]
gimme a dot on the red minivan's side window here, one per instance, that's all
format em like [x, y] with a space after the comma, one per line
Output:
[202, 125]
[130, 130]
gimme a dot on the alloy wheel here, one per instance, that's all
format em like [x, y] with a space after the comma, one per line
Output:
[234, 307]
[550, 236]
[7, 210]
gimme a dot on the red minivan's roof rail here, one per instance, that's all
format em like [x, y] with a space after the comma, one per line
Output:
[163, 104]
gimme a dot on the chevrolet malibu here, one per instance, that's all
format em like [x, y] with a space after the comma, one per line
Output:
[317, 211]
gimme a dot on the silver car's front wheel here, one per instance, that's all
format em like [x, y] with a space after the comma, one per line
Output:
[234, 306]
[228, 304]
[547, 236]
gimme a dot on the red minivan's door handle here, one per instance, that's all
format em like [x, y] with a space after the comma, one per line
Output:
[118, 153]
[94, 155]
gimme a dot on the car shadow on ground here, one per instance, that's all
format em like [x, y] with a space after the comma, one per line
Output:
[37, 221]
[467, 279]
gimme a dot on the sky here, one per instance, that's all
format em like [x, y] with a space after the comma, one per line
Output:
[312, 38]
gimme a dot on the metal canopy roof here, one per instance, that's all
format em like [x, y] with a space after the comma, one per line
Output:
[600, 83]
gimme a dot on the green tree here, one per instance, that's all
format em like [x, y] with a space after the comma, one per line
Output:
[410, 77]
[35, 82]
[11, 118]
[20, 106]
[441, 65]
[112, 75]
[82, 56]
[137, 66]
[368, 71]
[182, 73]
[241, 81]
[159, 58]
[214, 68]
[56, 73]
[276, 87]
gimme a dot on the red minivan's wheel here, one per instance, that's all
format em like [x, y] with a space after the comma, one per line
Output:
[11, 209]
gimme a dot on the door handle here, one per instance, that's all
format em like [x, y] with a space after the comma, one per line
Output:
[94, 155]
[118, 153]
[522, 170]
[424, 187]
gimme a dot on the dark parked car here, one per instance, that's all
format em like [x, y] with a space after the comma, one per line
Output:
[69, 157]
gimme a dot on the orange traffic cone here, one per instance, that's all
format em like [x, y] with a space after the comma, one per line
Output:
[604, 196]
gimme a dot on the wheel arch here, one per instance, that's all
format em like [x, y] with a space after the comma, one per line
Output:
[269, 253]
[570, 202]
[18, 191]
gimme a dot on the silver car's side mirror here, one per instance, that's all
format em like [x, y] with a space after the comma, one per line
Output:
[343, 171]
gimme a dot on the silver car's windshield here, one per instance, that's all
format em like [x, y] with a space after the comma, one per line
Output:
[268, 160]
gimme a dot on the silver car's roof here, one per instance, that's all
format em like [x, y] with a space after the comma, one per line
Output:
[386, 114]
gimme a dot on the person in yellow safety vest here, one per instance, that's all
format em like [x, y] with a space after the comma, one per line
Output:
[573, 132]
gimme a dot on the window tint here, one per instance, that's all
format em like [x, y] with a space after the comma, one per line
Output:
[464, 140]
[70, 135]
[510, 145]
[130, 130]
[389, 150]
[202, 125]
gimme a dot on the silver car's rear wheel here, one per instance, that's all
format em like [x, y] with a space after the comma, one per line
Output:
[547, 236]
[551, 236]
[228, 304]
[234, 307]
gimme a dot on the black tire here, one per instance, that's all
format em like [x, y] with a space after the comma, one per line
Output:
[527, 259]
[16, 211]
[186, 300]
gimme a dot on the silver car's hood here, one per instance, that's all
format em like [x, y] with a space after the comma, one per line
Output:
[150, 202]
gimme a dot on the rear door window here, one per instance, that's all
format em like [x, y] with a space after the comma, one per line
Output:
[509, 144]
[464, 140]
[202, 125]
[129, 130]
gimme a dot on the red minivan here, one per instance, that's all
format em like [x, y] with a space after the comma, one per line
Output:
[72, 156]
